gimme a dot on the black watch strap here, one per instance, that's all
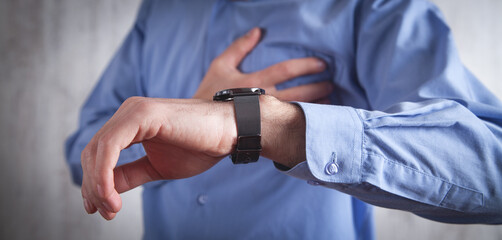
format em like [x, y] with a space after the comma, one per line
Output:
[247, 116]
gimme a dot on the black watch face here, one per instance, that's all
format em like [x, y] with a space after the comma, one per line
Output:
[229, 94]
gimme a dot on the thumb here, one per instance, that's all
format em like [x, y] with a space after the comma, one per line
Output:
[234, 54]
[134, 174]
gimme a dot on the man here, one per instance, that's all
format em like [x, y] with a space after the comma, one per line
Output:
[410, 128]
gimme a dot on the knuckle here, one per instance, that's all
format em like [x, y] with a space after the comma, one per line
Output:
[145, 107]
[137, 104]
[241, 46]
[217, 62]
[99, 179]
[132, 100]
[218, 67]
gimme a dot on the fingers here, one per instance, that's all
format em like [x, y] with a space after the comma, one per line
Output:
[131, 175]
[234, 54]
[306, 93]
[87, 154]
[105, 211]
[289, 69]
[101, 192]
[89, 207]
[106, 159]
[98, 161]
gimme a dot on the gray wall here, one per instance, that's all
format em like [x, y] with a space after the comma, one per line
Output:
[51, 54]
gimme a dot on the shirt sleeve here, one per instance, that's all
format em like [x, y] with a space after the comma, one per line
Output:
[121, 80]
[431, 141]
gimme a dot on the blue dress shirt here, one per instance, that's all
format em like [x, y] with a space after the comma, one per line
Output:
[409, 127]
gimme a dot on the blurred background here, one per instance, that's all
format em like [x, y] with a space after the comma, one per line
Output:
[52, 52]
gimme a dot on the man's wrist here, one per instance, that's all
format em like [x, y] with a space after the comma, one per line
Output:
[283, 131]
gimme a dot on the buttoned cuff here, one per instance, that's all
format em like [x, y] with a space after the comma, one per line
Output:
[333, 145]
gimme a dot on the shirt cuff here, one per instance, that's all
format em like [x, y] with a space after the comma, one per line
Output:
[334, 136]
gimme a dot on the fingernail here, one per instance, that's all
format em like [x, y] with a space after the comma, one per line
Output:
[321, 64]
[107, 207]
[87, 206]
[100, 191]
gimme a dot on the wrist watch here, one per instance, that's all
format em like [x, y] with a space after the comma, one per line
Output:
[247, 116]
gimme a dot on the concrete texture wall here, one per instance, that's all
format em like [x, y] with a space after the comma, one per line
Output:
[52, 53]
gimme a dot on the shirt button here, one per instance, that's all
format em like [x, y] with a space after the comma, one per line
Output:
[314, 182]
[331, 168]
[202, 199]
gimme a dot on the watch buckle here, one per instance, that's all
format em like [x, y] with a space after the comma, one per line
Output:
[248, 149]
[250, 143]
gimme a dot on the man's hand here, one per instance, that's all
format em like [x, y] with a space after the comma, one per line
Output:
[182, 138]
[223, 74]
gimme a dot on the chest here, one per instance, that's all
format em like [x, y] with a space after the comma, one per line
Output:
[183, 38]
